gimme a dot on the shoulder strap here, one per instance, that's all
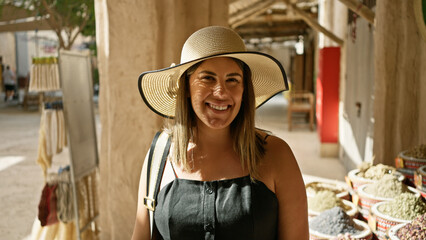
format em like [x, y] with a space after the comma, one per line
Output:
[157, 157]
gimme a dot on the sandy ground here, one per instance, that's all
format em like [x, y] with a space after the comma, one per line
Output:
[21, 179]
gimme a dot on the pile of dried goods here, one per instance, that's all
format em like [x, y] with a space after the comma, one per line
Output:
[414, 230]
[417, 152]
[387, 187]
[315, 187]
[406, 206]
[376, 172]
[324, 200]
[334, 222]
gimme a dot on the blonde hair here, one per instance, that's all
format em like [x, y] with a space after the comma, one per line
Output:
[248, 144]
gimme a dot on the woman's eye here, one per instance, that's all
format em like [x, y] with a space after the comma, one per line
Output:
[209, 78]
[233, 80]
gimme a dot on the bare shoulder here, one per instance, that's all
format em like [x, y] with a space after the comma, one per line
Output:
[278, 158]
[280, 170]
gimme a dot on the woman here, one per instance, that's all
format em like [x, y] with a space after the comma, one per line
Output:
[223, 179]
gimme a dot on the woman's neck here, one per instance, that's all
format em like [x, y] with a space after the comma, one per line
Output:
[212, 139]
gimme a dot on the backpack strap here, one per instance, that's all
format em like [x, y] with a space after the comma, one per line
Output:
[157, 157]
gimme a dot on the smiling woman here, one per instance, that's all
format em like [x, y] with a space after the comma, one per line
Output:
[223, 178]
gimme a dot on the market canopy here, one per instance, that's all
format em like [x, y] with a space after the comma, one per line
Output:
[14, 19]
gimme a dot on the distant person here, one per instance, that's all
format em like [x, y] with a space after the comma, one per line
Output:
[9, 83]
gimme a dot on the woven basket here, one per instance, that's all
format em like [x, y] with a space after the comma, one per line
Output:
[394, 230]
[366, 233]
[408, 173]
[420, 178]
[366, 201]
[355, 181]
[404, 161]
[380, 223]
[340, 189]
[353, 212]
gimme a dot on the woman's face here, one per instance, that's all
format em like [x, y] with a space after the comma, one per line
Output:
[216, 90]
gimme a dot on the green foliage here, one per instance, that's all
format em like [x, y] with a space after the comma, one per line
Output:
[65, 16]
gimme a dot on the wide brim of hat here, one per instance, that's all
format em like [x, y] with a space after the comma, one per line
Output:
[158, 88]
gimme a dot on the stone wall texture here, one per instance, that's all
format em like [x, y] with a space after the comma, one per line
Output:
[400, 81]
[133, 37]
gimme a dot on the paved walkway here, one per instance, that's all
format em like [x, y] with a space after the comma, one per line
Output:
[21, 179]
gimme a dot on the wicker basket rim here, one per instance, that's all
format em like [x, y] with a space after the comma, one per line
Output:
[376, 212]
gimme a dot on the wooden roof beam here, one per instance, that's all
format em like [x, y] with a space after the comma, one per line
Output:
[40, 24]
[314, 24]
[244, 16]
[360, 9]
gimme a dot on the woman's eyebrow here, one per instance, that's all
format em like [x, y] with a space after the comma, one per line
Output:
[207, 72]
[234, 74]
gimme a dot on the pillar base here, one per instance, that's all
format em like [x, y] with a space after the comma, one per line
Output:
[329, 150]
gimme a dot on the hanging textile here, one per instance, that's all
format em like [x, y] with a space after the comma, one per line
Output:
[88, 209]
[44, 74]
[52, 134]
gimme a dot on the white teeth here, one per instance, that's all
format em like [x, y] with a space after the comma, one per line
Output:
[220, 108]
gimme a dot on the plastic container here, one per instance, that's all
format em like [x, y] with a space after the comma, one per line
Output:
[366, 233]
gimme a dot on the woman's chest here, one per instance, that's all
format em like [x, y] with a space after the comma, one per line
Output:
[226, 209]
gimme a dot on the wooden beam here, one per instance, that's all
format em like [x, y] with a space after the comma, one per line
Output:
[280, 30]
[274, 18]
[360, 9]
[25, 26]
[10, 12]
[244, 16]
[315, 25]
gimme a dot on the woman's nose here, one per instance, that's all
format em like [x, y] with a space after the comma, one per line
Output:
[220, 90]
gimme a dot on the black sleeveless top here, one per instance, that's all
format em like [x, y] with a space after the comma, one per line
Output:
[224, 209]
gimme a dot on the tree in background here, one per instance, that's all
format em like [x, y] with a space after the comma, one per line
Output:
[67, 18]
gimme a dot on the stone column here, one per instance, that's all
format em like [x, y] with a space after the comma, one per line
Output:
[133, 37]
[400, 81]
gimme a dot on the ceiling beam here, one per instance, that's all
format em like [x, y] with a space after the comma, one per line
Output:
[360, 9]
[25, 26]
[315, 25]
[277, 30]
[10, 12]
[247, 14]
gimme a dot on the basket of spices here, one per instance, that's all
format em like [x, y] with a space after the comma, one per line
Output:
[324, 200]
[403, 209]
[367, 173]
[340, 189]
[334, 222]
[420, 180]
[383, 190]
[413, 158]
[408, 231]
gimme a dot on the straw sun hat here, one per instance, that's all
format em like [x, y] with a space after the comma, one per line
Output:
[158, 88]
